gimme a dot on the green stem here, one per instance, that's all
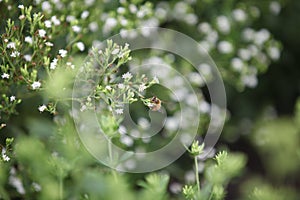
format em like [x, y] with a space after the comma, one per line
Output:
[197, 174]
[60, 186]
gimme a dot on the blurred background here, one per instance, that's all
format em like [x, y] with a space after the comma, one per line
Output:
[255, 45]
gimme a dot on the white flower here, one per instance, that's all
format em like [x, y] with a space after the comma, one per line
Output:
[35, 85]
[27, 57]
[28, 39]
[12, 98]
[250, 80]
[4, 156]
[62, 52]
[21, 6]
[55, 21]
[237, 64]
[248, 34]
[127, 76]
[14, 54]
[155, 79]
[239, 15]
[49, 44]
[245, 54]
[121, 10]
[76, 29]
[108, 87]
[11, 45]
[84, 14]
[121, 86]
[36, 187]
[42, 108]
[142, 87]
[93, 26]
[225, 47]
[42, 32]
[80, 46]
[204, 27]
[69, 64]
[5, 75]
[274, 53]
[275, 7]
[53, 64]
[119, 111]
[115, 51]
[128, 141]
[223, 24]
[261, 36]
[70, 18]
[48, 23]
[46, 6]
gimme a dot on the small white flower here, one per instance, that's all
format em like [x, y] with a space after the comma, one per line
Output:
[5, 157]
[69, 64]
[53, 64]
[42, 108]
[62, 52]
[76, 28]
[42, 32]
[55, 21]
[14, 54]
[155, 79]
[275, 7]
[274, 53]
[250, 80]
[70, 18]
[239, 15]
[119, 111]
[115, 51]
[121, 10]
[48, 23]
[21, 17]
[108, 87]
[12, 98]
[128, 141]
[121, 86]
[127, 76]
[11, 45]
[85, 14]
[27, 57]
[21, 7]
[36, 187]
[46, 6]
[237, 64]
[80, 46]
[223, 24]
[28, 39]
[204, 27]
[261, 36]
[49, 44]
[35, 85]
[142, 87]
[225, 47]
[5, 75]
[93, 26]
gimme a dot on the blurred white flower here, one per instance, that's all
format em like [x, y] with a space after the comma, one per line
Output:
[261, 36]
[119, 111]
[76, 28]
[275, 7]
[93, 26]
[80, 46]
[14, 54]
[49, 44]
[248, 34]
[42, 32]
[274, 53]
[12, 98]
[20, 6]
[239, 15]
[70, 18]
[53, 64]
[250, 80]
[115, 51]
[223, 24]
[121, 10]
[42, 108]
[127, 76]
[121, 86]
[35, 85]
[46, 6]
[28, 39]
[55, 21]
[237, 64]
[11, 45]
[142, 87]
[36, 187]
[62, 52]
[204, 27]
[27, 57]
[84, 14]
[225, 47]
[244, 54]
[48, 23]
[5, 75]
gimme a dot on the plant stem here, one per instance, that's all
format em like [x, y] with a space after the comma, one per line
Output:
[60, 186]
[197, 174]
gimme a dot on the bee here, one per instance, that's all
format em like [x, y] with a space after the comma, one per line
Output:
[155, 104]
